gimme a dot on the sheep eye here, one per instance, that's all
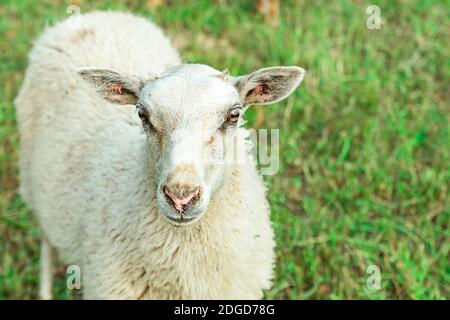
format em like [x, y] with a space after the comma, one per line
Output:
[145, 118]
[142, 113]
[233, 115]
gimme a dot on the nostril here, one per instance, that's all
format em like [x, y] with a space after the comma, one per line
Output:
[166, 190]
[181, 198]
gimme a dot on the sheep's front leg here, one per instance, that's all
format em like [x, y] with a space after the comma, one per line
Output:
[46, 270]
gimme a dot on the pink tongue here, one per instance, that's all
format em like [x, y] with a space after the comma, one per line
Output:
[180, 202]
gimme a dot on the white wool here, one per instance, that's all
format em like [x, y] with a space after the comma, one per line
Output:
[84, 173]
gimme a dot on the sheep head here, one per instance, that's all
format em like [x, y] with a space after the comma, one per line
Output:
[191, 115]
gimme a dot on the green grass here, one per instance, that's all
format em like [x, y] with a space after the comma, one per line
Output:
[365, 146]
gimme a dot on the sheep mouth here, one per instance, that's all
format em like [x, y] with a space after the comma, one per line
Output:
[182, 220]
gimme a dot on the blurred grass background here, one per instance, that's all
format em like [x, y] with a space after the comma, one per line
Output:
[364, 175]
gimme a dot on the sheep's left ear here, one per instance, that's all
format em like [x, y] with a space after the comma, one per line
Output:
[268, 85]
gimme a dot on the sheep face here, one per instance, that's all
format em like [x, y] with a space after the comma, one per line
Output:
[191, 115]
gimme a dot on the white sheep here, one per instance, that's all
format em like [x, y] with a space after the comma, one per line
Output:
[128, 196]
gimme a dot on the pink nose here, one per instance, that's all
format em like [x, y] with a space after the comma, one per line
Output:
[180, 200]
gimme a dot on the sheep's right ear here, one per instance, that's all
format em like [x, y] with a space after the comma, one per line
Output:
[113, 86]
